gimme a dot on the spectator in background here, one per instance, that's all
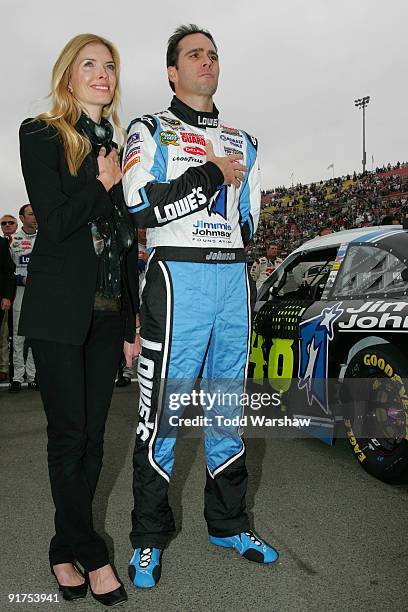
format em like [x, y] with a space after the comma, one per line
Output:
[9, 228]
[264, 266]
[21, 247]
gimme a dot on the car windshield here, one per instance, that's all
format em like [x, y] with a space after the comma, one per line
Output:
[370, 271]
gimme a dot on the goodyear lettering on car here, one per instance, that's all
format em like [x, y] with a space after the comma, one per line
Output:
[371, 359]
[378, 361]
[374, 360]
[353, 441]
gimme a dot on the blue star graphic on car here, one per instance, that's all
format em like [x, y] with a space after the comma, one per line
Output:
[330, 315]
[308, 377]
[315, 334]
[218, 203]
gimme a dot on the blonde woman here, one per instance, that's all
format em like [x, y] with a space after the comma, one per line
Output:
[78, 306]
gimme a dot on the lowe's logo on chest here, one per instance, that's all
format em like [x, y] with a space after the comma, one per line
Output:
[207, 121]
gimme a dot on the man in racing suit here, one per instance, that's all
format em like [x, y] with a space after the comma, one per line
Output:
[263, 267]
[21, 247]
[184, 180]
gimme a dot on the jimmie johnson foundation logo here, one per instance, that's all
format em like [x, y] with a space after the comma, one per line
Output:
[315, 335]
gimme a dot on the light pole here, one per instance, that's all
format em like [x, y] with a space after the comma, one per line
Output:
[362, 103]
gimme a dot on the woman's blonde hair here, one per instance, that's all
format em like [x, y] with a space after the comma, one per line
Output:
[65, 110]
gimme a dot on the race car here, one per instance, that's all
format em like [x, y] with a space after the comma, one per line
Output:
[330, 333]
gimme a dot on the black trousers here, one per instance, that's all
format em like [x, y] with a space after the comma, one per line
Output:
[76, 384]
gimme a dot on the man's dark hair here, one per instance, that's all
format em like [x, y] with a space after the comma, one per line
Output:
[179, 33]
[22, 209]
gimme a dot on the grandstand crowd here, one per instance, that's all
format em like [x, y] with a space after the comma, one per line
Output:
[292, 215]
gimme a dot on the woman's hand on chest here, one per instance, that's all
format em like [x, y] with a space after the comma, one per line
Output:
[109, 168]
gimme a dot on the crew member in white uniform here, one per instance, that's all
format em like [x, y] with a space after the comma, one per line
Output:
[21, 247]
[263, 267]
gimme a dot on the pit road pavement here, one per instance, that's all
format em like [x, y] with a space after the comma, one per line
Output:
[341, 534]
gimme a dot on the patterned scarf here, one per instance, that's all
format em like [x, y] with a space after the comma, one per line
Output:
[115, 234]
[99, 134]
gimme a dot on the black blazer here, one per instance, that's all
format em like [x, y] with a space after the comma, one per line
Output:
[7, 267]
[62, 272]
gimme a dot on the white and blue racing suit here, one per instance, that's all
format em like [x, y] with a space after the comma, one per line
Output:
[195, 313]
[20, 249]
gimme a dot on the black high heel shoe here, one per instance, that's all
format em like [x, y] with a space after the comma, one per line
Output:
[113, 598]
[69, 593]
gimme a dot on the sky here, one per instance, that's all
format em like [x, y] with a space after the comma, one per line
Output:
[290, 72]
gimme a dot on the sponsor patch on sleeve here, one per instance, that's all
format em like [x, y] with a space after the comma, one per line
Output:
[131, 163]
[133, 139]
[132, 152]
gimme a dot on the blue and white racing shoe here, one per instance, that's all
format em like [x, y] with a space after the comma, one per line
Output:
[250, 546]
[145, 567]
